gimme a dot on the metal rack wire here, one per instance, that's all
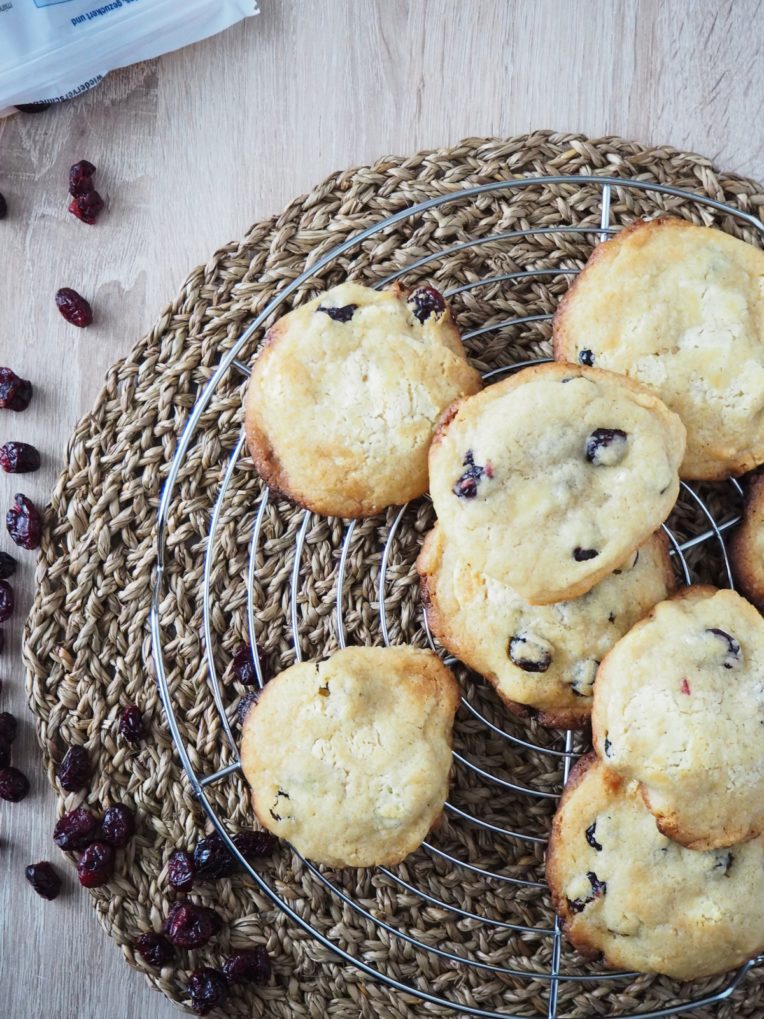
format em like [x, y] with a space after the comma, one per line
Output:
[710, 531]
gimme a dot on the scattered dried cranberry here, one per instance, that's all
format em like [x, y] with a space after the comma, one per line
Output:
[5, 753]
[254, 844]
[74, 307]
[586, 357]
[191, 926]
[15, 393]
[19, 458]
[181, 871]
[24, 523]
[14, 785]
[74, 770]
[212, 859]
[7, 565]
[75, 830]
[43, 878]
[131, 724]
[243, 666]
[96, 865]
[155, 949]
[6, 601]
[208, 989]
[118, 826]
[3, 207]
[466, 486]
[426, 301]
[81, 178]
[251, 965]
[7, 726]
[87, 206]
[582, 554]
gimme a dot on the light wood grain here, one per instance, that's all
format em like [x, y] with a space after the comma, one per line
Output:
[193, 148]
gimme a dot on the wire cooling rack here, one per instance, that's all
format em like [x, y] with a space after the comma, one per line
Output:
[696, 534]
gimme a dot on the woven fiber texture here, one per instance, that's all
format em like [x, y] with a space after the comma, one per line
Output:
[88, 644]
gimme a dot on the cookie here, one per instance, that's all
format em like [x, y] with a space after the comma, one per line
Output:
[679, 708]
[679, 308]
[746, 547]
[624, 890]
[348, 759]
[345, 394]
[548, 480]
[541, 659]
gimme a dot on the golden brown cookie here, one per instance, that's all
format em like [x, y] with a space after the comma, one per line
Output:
[542, 659]
[679, 308]
[645, 903]
[345, 394]
[348, 759]
[548, 480]
[746, 546]
[679, 707]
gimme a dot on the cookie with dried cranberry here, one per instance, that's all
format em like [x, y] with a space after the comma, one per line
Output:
[747, 544]
[679, 708]
[548, 480]
[348, 759]
[345, 395]
[542, 659]
[624, 890]
[679, 308]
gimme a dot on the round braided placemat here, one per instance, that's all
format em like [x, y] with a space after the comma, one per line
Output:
[88, 647]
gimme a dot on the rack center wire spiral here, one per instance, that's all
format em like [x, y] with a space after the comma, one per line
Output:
[708, 532]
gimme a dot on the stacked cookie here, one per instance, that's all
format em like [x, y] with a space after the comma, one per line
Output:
[548, 574]
[656, 859]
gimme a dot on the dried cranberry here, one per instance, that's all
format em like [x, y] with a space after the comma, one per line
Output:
[586, 357]
[96, 865]
[155, 949]
[15, 393]
[591, 837]
[466, 486]
[181, 871]
[131, 724]
[19, 458]
[87, 206]
[3, 207]
[74, 770]
[212, 859]
[343, 314]
[426, 301]
[81, 178]
[733, 655]
[606, 447]
[243, 666]
[254, 844]
[24, 523]
[7, 565]
[14, 785]
[582, 554]
[76, 829]
[208, 989]
[251, 965]
[6, 601]
[5, 753]
[7, 726]
[74, 307]
[43, 878]
[531, 654]
[191, 926]
[118, 826]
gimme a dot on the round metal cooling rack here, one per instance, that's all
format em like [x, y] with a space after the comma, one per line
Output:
[708, 536]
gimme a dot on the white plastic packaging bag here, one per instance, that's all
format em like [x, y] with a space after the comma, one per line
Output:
[51, 50]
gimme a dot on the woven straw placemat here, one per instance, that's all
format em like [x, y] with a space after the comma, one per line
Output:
[88, 647]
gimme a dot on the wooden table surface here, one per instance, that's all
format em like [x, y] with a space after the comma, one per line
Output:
[194, 147]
